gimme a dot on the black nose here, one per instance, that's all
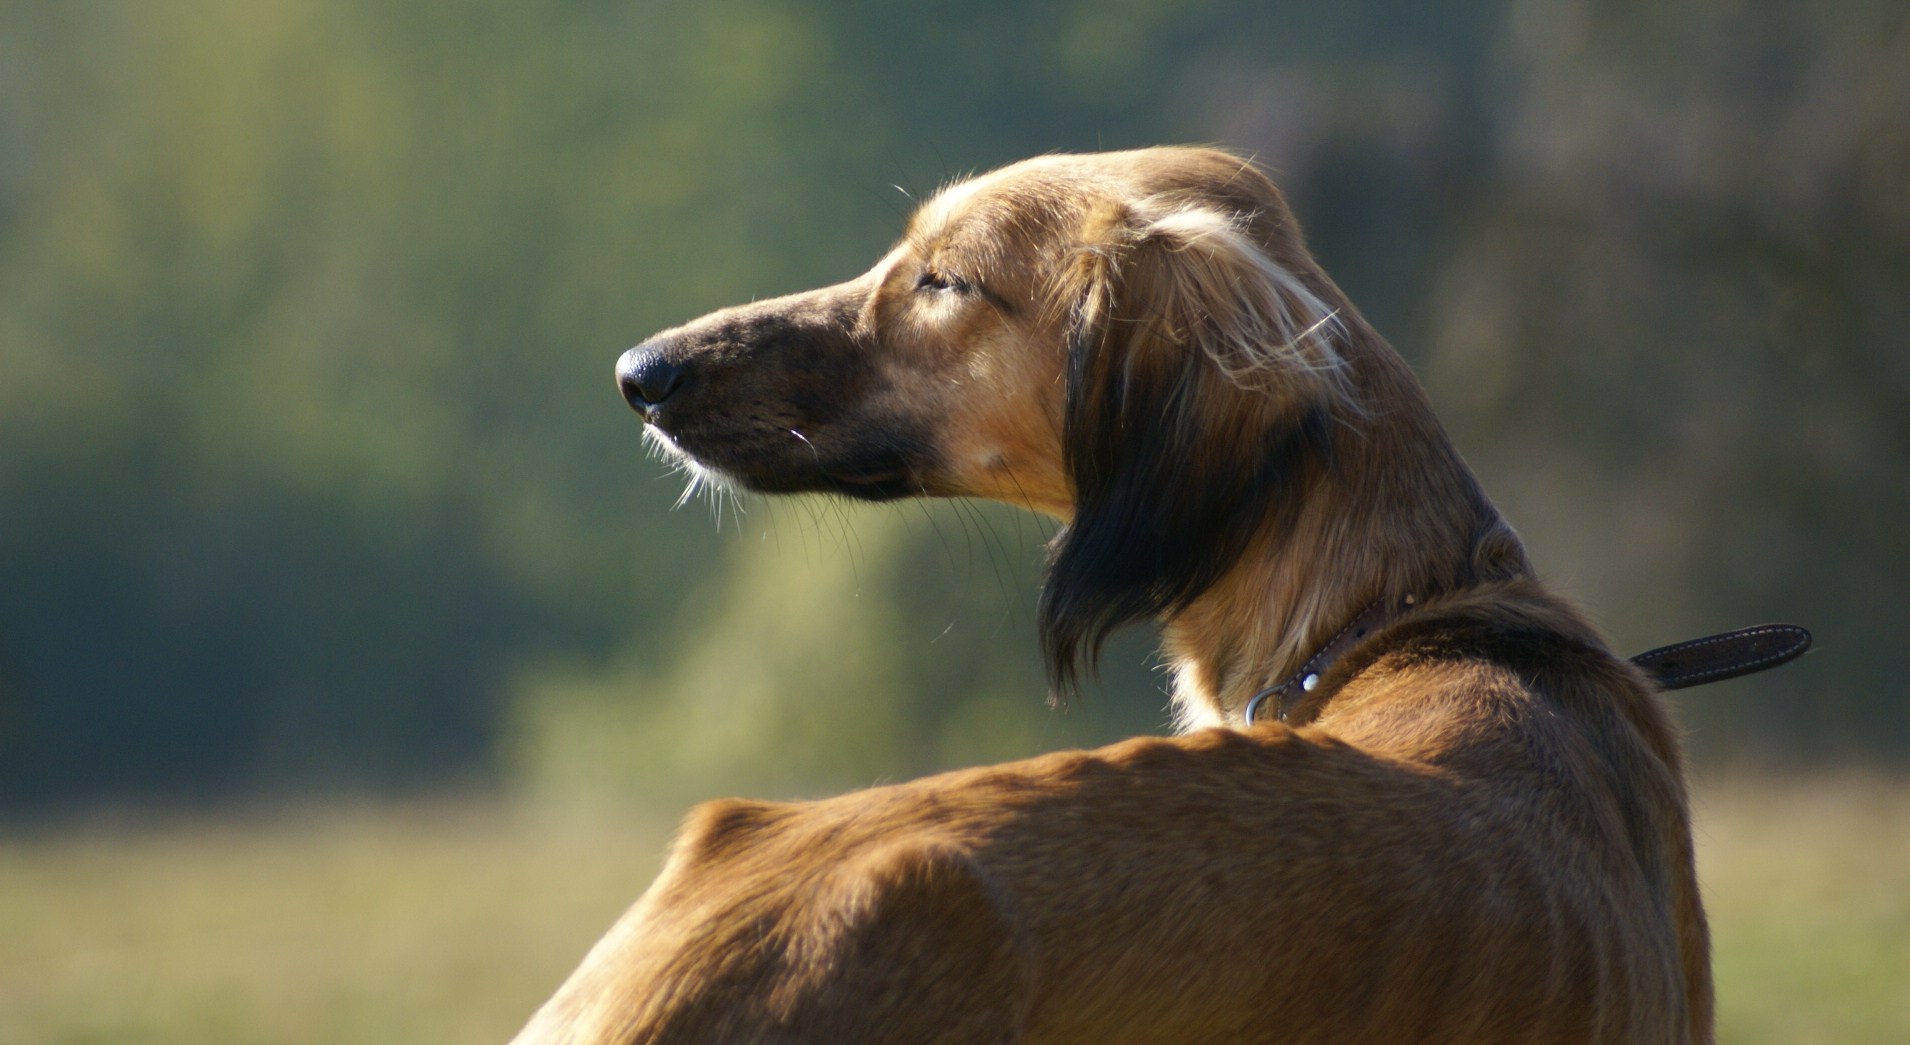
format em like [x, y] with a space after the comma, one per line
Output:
[647, 378]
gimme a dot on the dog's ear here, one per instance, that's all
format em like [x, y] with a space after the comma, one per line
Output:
[1202, 381]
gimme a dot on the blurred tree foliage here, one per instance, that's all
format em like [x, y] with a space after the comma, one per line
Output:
[312, 475]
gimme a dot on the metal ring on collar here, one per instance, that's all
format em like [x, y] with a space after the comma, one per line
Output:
[1253, 705]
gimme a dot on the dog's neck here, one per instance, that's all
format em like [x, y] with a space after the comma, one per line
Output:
[1397, 513]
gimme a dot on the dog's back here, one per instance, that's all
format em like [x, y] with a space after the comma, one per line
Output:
[1483, 840]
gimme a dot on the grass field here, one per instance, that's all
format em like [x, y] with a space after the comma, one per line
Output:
[428, 924]
[1808, 885]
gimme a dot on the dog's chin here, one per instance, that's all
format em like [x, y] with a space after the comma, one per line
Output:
[892, 487]
[862, 481]
[868, 476]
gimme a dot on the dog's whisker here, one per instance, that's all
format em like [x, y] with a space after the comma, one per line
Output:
[689, 489]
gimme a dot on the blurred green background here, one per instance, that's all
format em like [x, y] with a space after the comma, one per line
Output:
[318, 506]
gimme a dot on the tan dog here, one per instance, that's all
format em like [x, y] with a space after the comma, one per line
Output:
[1421, 801]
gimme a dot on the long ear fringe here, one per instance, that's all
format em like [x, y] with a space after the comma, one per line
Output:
[1257, 321]
[1202, 383]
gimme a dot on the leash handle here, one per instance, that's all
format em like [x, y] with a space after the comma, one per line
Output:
[1718, 657]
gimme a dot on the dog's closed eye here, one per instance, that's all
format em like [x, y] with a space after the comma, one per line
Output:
[941, 281]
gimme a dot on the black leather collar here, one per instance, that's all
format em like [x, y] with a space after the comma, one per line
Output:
[1694, 663]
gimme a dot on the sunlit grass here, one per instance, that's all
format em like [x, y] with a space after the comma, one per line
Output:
[417, 925]
[426, 924]
[1808, 883]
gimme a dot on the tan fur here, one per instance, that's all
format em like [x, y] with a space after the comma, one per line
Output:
[1475, 830]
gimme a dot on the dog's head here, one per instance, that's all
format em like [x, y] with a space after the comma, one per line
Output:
[1135, 343]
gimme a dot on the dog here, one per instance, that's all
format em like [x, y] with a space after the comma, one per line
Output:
[1414, 797]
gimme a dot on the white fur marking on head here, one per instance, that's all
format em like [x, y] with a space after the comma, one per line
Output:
[945, 204]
